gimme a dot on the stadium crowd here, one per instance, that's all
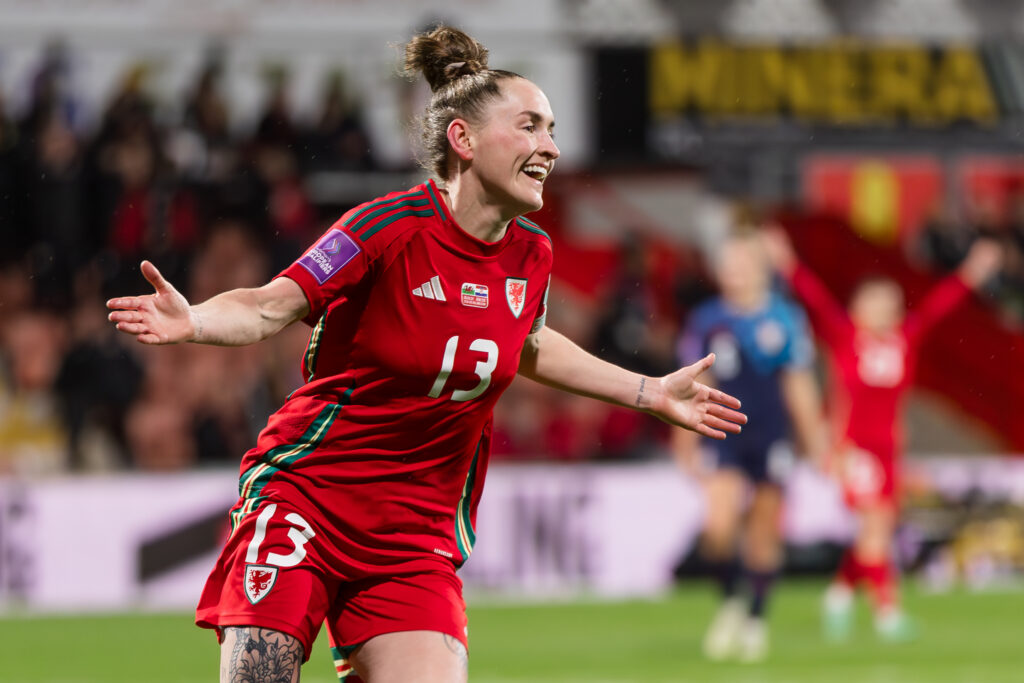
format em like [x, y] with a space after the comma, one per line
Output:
[213, 207]
[216, 208]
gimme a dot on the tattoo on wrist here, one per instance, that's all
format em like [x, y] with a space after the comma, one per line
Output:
[640, 393]
[198, 335]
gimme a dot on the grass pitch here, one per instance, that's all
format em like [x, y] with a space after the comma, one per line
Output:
[962, 638]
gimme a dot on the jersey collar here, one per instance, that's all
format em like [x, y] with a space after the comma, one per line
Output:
[459, 237]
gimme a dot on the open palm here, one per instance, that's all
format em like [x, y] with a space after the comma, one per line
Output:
[163, 317]
[688, 403]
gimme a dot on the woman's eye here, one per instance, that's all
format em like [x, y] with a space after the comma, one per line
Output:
[530, 128]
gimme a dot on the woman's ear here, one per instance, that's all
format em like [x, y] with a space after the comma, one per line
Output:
[460, 139]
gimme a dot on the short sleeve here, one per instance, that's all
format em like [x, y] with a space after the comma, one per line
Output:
[335, 264]
[800, 352]
[541, 316]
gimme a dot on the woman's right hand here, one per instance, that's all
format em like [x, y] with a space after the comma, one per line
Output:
[163, 317]
[984, 260]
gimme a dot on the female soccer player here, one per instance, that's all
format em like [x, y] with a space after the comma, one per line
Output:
[874, 347]
[357, 503]
[763, 348]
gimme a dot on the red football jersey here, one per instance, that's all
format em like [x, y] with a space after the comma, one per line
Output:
[417, 330]
[874, 371]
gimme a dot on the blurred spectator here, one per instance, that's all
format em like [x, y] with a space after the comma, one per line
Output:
[98, 380]
[130, 111]
[50, 91]
[16, 295]
[142, 211]
[284, 207]
[693, 283]
[218, 207]
[158, 426]
[1011, 284]
[231, 257]
[14, 239]
[632, 332]
[202, 147]
[276, 125]
[32, 437]
[56, 210]
[629, 331]
[943, 240]
[227, 394]
[339, 140]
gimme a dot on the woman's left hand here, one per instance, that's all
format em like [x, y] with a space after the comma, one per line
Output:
[681, 400]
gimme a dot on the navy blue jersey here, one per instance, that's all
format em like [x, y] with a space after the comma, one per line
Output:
[751, 349]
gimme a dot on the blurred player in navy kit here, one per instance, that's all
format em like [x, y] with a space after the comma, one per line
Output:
[764, 355]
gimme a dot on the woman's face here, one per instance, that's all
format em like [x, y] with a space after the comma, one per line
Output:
[742, 270]
[877, 306]
[513, 147]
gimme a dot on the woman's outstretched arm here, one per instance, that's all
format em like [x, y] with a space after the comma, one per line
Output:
[233, 318]
[678, 398]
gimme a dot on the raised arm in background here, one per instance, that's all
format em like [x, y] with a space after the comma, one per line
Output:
[983, 260]
[234, 318]
[827, 315]
[678, 398]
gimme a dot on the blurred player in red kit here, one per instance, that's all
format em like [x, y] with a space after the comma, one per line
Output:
[874, 348]
[359, 500]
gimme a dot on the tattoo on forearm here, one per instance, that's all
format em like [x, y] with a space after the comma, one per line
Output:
[640, 393]
[261, 655]
[455, 645]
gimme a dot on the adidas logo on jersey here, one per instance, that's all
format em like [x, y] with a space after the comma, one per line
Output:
[431, 289]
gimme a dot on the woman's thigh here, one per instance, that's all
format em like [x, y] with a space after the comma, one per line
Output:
[411, 657]
[251, 653]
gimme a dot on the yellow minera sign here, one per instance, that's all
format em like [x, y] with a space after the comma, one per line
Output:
[840, 82]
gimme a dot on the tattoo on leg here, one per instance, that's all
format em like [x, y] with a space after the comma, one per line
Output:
[640, 393]
[455, 646]
[262, 655]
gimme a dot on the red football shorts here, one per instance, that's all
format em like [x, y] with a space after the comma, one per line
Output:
[271, 575]
[868, 477]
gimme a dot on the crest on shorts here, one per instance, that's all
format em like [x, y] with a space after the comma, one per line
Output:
[515, 294]
[259, 579]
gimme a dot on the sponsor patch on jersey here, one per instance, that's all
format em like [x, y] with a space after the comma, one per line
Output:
[330, 255]
[259, 579]
[474, 296]
[515, 294]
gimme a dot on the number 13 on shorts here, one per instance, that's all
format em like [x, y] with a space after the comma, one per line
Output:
[299, 534]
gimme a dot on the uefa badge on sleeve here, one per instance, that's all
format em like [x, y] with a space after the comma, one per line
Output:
[259, 579]
[515, 294]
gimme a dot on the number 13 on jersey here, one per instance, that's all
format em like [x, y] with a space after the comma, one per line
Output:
[483, 370]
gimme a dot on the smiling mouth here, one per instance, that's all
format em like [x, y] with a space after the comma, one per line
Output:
[536, 171]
